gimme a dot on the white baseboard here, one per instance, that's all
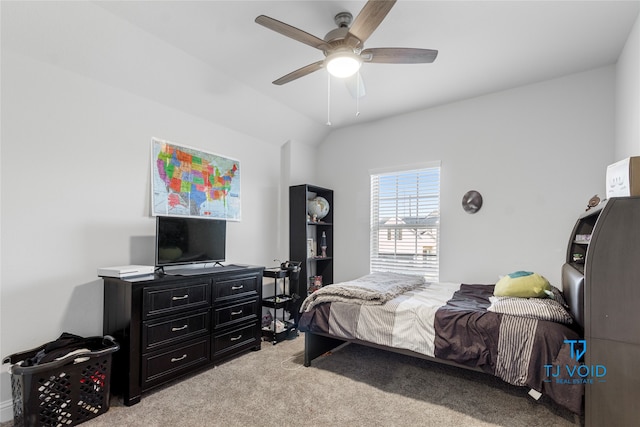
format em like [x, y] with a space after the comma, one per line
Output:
[6, 411]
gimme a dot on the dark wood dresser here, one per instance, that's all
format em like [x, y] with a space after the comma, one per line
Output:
[169, 326]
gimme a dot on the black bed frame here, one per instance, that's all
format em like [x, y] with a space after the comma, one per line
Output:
[317, 344]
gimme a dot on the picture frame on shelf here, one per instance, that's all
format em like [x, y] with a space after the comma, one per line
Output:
[311, 252]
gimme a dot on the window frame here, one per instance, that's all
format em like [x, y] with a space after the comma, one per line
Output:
[416, 230]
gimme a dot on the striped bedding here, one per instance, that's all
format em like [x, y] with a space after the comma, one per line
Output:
[452, 322]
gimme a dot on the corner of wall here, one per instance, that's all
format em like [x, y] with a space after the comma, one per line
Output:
[283, 199]
[298, 165]
[303, 163]
[627, 140]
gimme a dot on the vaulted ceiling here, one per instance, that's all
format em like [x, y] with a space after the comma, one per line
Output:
[484, 47]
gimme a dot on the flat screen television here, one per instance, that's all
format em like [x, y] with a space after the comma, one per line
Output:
[189, 240]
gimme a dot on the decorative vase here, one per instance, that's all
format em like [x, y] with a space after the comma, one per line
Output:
[323, 244]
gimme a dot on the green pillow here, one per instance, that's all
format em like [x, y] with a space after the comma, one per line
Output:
[524, 284]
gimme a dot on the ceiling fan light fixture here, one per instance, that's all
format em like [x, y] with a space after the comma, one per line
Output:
[343, 47]
[343, 64]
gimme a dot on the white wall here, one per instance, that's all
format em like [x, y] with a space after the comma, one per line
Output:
[75, 195]
[298, 166]
[628, 97]
[304, 164]
[536, 153]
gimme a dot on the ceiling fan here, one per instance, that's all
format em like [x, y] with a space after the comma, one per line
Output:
[343, 47]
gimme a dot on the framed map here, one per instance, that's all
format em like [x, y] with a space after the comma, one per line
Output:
[190, 182]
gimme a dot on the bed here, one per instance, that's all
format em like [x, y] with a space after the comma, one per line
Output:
[463, 325]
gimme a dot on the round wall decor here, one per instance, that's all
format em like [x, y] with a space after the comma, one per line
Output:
[471, 201]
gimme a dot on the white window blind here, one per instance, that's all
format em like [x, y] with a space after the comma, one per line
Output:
[405, 222]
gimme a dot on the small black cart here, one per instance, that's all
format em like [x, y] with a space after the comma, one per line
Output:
[277, 331]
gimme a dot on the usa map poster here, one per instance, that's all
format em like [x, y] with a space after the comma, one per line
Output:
[189, 182]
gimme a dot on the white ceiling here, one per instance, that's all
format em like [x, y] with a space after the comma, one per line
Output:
[484, 46]
[211, 60]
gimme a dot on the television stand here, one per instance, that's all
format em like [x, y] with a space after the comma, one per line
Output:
[170, 326]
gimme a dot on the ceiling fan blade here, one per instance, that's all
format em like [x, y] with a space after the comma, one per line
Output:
[300, 72]
[399, 55]
[292, 32]
[368, 20]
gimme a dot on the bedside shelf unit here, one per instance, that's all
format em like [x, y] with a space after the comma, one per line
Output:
[301, 229]
[581, 237]
[170, 326]
[610, 250]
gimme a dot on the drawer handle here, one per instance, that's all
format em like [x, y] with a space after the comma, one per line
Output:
[235, 288]
[177, 359]
[185, 296]
[180, 328]
[235, 313]
[236, 338]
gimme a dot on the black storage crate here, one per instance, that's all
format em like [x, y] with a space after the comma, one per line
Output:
[62, 392]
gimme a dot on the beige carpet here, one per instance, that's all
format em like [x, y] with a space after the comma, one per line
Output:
[355, 386]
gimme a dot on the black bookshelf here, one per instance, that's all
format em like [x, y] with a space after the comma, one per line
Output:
[301, 228]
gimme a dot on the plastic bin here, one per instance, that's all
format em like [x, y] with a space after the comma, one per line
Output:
[66, 391]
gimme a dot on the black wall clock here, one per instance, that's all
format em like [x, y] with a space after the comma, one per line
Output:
[471, 201]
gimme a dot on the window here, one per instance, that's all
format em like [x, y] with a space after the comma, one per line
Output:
[405, 221]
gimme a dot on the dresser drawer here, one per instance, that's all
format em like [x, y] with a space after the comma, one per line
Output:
[166, 331]
[162, 366]
[173, 299]
[235, 340]
[235, 287]
[235, 313]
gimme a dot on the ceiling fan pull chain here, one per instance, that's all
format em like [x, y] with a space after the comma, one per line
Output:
[358, 94]
[328, 99]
